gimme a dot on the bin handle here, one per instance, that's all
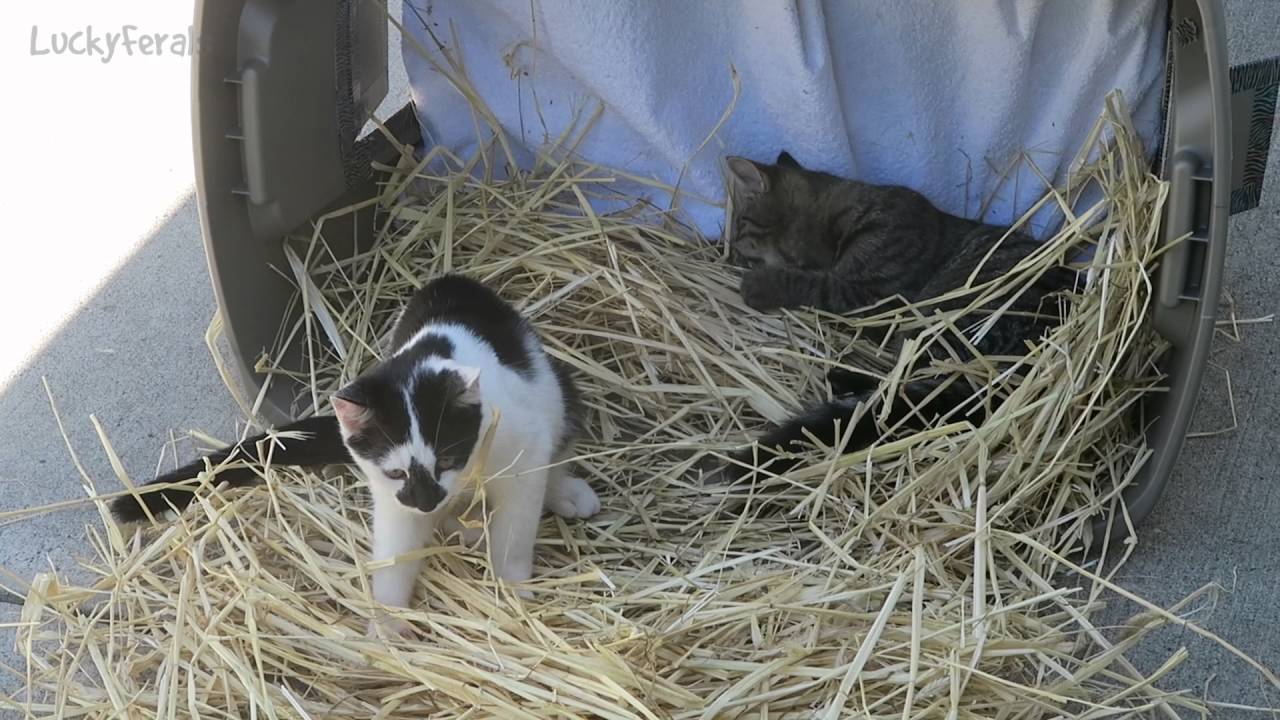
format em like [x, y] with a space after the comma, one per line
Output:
[1184, 186]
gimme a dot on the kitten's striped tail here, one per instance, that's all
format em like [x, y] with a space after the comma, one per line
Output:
[920, 405]
[322, 445]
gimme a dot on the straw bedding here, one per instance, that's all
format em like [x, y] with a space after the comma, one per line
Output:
[926, 577]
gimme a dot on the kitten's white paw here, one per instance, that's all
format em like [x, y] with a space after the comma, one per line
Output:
[391, 628]
[572, 497]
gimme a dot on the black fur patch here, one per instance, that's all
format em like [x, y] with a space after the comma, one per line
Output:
[466, 302]
[322, 445]
[451, 427]
[433, 345]
[574, 410]
[420, 490]
[922, 402]
[784, 158]
[379, 391]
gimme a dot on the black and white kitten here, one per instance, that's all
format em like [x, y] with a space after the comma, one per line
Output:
[413, 425]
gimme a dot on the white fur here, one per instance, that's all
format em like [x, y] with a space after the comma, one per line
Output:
[530, 420]
[570, 497]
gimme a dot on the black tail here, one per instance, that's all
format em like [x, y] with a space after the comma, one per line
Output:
[323, 446]
[920, 405]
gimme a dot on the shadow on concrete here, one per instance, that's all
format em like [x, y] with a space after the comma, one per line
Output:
[134, 356]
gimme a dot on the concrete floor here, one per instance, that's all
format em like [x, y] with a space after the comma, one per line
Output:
[111, 306]
[1219, 520]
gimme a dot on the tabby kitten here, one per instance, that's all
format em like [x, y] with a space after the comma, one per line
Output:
[413, 424]
[811, 239]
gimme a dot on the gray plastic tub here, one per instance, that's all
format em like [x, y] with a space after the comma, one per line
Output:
[281, 90]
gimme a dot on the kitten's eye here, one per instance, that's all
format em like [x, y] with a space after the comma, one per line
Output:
[396, 474]
[444, 467]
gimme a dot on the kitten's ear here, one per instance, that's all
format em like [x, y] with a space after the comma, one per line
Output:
[746, 178]
[785, 160]
[352, 409]
[470, 385]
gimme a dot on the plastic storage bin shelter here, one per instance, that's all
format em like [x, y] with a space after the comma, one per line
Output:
[281, 91]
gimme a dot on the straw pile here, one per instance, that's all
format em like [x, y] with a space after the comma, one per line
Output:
[926, 577]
